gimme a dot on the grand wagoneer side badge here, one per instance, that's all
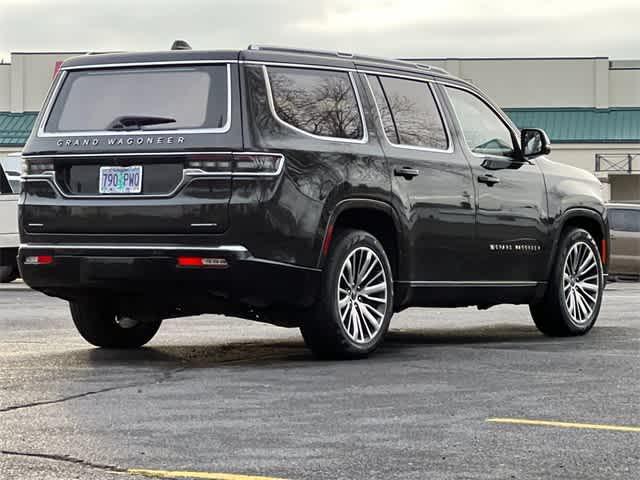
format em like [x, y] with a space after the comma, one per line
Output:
[517, 246]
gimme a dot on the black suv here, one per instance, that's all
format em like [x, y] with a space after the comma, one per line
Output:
[307, 189]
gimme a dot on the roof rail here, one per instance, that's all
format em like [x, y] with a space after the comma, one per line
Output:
[274, 48]
[424, 66]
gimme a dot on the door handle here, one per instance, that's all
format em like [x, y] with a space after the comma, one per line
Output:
[406, 172]
[488, 179]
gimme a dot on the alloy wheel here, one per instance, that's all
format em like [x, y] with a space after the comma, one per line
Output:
[362, 295]
[581, 282]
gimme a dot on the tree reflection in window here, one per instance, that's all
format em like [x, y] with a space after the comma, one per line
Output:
[318, 102]
[415, 113]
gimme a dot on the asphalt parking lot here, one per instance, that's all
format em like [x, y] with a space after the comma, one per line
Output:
[213, 396]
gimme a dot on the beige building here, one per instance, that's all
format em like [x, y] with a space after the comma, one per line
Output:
[590, 107]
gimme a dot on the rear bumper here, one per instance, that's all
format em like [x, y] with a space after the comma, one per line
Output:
[153, 271]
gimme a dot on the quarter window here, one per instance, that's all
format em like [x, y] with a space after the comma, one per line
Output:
[318, 102]
[414, 113]
[484, 131]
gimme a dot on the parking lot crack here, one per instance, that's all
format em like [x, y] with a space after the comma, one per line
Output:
[66, 459]
[162, 379]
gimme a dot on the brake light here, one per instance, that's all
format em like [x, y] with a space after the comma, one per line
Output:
[239, 163]
[38, 260]
[36, 166]
[202, 262]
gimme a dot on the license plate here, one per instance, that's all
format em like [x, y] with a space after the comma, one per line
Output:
[121, 180]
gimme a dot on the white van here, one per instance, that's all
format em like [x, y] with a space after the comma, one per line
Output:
[10, 168]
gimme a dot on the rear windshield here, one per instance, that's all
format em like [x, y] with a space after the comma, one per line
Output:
[192, 97]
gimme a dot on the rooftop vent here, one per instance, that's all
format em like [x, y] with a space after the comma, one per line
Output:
[180, 45]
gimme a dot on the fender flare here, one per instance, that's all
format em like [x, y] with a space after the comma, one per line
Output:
[363, 203]
[560, 223]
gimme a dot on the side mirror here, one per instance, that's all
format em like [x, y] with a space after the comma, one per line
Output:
[535, 143]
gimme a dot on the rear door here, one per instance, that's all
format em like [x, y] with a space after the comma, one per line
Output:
[136, 149]
[625, 241]
[431, 181]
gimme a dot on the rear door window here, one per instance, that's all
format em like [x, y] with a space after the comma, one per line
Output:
[318, 102]
[625, 220]
[409, 113]
[190, 97]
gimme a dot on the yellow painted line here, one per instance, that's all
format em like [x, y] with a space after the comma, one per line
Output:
[546, 423]
[202, 475]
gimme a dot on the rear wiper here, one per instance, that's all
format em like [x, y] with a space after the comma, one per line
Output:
[136, 122]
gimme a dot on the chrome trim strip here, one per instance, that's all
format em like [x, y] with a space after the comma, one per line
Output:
[365, 133]
[100, 133]
[147, 64]
[470, 283]
[414, 147]
[189, 175]
[171, 248]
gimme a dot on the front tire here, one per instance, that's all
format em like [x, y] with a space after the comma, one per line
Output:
[573, 298]
[97, 324]
[352, 314]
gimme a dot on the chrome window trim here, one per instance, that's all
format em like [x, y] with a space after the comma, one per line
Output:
[495, 112]
[189, 175]
[103, 133]
[450, 149]
[365, 132]
[221, 248]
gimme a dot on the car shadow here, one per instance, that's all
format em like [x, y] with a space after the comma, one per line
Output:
[293, 352]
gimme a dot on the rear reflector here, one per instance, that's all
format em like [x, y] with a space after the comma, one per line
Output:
[38, 260]
[603, 252]
[202, 262]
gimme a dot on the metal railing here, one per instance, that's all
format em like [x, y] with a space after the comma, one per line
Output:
[617, 162]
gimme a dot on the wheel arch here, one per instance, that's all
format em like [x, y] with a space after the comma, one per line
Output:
[373, 216]
[591, 221]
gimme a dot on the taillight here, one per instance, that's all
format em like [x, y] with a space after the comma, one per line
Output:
[241, 163]
[257, 163]
[36, 166]
[202, 262]
[38, 260]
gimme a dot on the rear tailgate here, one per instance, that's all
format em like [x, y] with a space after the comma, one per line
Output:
[135, 149]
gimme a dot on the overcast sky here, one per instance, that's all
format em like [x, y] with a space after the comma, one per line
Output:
[397, 28]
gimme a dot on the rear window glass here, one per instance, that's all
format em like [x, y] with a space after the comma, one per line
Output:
[319, 102]
[183, 97]
[625, 220]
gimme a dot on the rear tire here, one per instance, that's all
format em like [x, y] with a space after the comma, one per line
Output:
[352, 314]
[97, 324]
[8, 273]
[573, 298]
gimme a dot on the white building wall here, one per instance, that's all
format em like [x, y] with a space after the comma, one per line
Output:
[5, 87]
[30, 77]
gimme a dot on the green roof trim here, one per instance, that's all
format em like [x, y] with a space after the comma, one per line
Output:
[563, 125]
[581, 125]
[15, 128]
